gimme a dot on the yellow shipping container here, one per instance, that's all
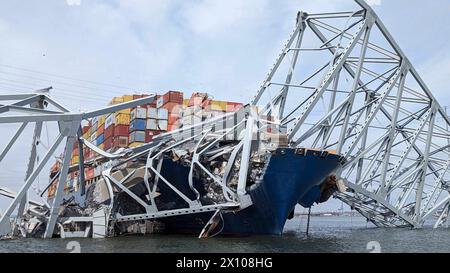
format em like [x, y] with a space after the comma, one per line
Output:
[136, 144]
[185, 102]
[116, 100]
[125, 111]
[101, 120]
[102, 146]
[218, 105]
[127, 98]
[122, 119]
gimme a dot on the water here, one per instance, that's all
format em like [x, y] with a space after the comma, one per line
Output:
[327, 234]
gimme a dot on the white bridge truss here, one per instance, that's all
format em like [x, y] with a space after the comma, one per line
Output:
[340, 83]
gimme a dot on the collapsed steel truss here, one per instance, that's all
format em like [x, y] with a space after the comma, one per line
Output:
[340, 83]
[372, 107]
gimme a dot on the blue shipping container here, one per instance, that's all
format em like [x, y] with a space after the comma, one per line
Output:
[100, 139]
[138, 125]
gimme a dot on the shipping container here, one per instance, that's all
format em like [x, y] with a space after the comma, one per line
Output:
[137, 136]
[152, 124]
[120, 142]
[163, 113]
[102, 146]
[109, 120]
[116, 100]
[173, 107]
[234, 106]
[218, 106]
[108, 143]
[162, 125]
[100, 139]
[127, 98]
[138, 113]
[100, 129]
[122, 119]
[124, 112]
[138, 125]
[93, 138]
[152, 113]
[191, 120]
[101, 120]
[121, 130]
[109, 132]
[185, 102]
[199, 99]
[136, 144]
[171, 96]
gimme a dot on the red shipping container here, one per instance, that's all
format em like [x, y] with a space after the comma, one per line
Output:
[108, 143]
[171, 96]
[100, 129]
[121, 130]
[109, 132]
[120, 142]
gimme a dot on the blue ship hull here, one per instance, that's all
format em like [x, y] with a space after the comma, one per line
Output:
[292, 177]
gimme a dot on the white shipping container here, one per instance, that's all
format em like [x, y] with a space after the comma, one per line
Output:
[139, 113]
[152, 113]
[152, 124]
[109, 120]
[137, 136]
[163, 113]
[191, 120]
[162, 125]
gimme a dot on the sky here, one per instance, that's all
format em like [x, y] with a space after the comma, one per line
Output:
[92, 50]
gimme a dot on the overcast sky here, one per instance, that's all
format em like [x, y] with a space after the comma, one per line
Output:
[90, 51]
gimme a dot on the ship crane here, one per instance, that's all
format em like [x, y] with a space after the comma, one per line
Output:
[341, 86]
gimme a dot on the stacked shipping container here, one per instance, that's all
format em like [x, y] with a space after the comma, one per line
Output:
[134, 127]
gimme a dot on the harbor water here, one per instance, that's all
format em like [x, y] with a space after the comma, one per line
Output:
[327, 234]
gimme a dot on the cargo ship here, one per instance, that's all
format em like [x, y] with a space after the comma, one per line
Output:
[279, 178]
